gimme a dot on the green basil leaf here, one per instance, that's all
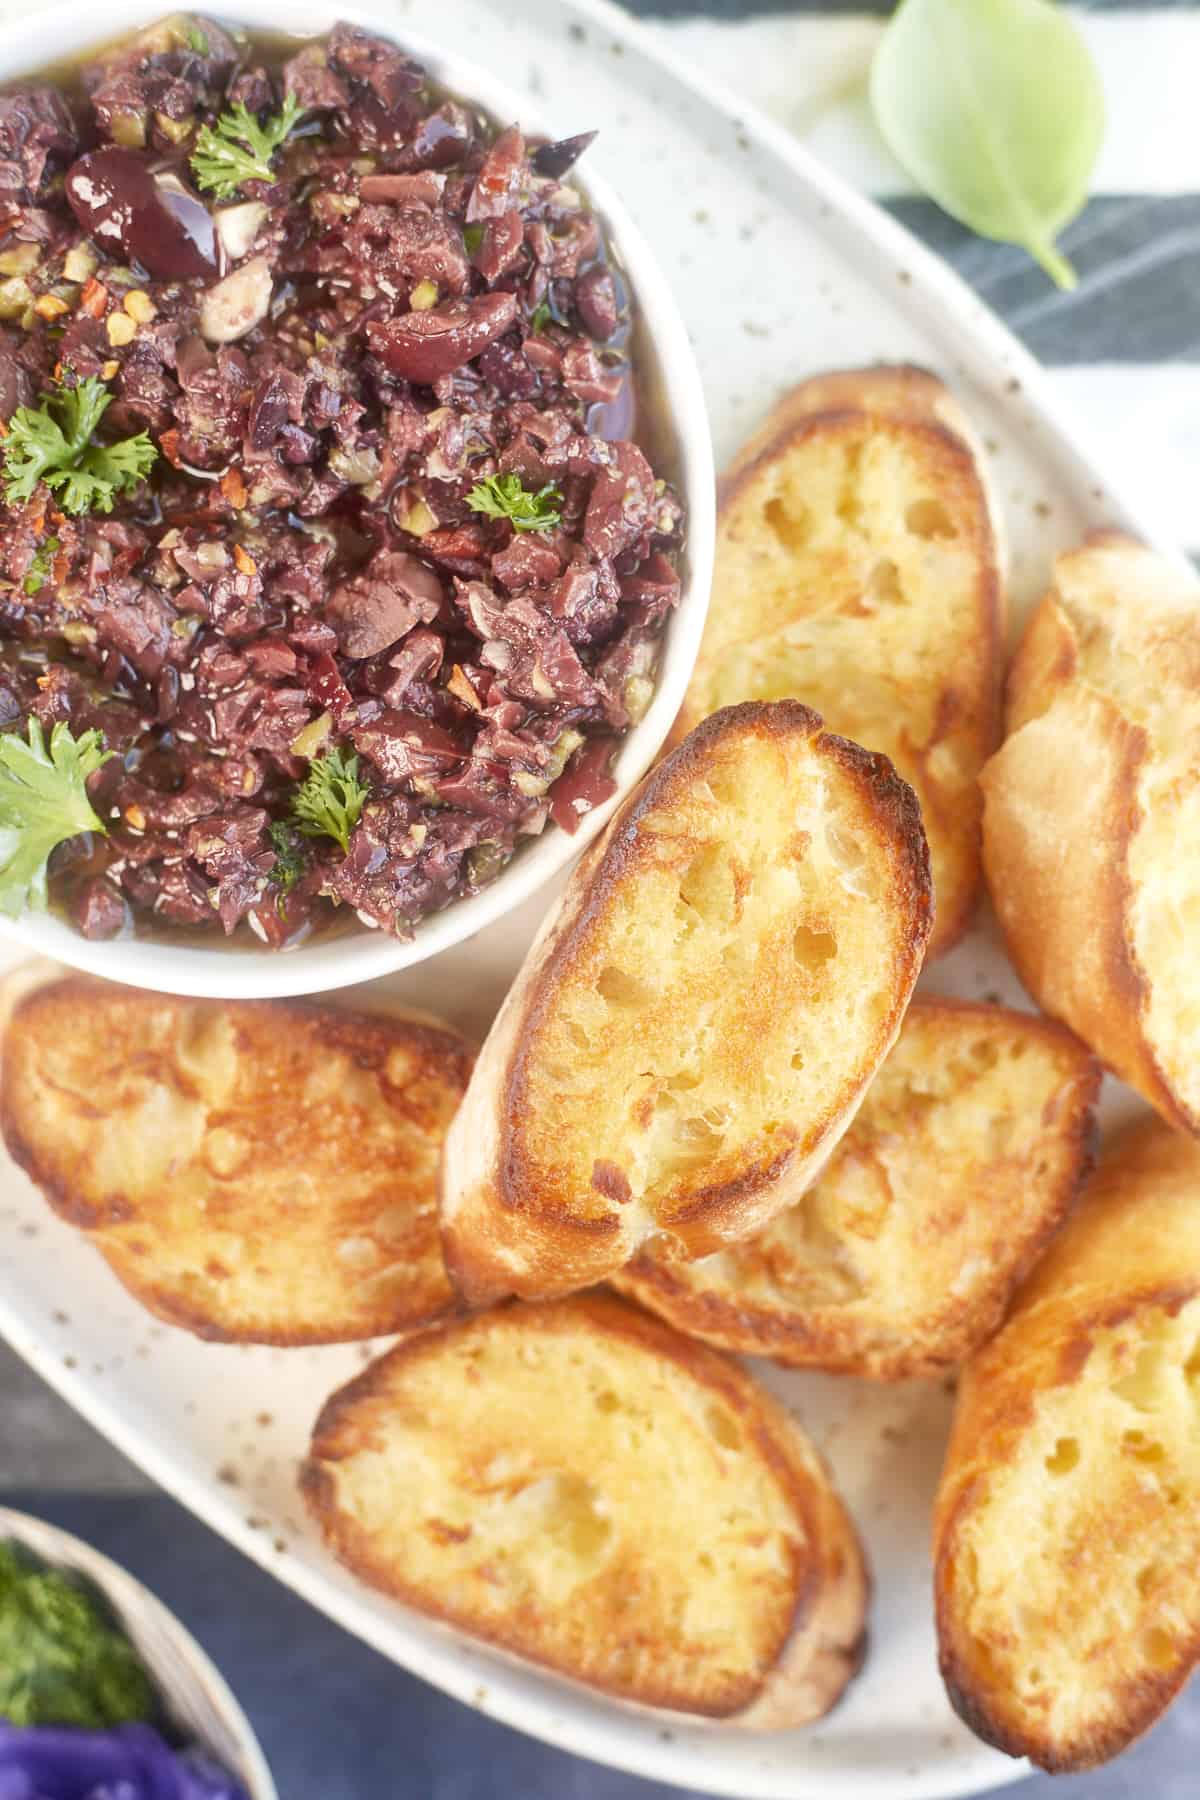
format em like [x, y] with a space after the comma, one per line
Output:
[995, 109]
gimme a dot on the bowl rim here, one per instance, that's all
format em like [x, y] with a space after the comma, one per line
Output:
[218, 970]
[130, 1597]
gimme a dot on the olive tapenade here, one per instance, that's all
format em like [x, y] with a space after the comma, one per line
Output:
[330, 568]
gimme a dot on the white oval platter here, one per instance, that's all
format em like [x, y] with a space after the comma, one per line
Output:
[780, 271]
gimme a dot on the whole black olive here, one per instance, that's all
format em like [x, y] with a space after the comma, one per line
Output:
[118, 202]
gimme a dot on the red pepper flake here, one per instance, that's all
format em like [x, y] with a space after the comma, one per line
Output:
[94, 298]
[245, 562]
[584, 784]
[234, 488]
[168, 443]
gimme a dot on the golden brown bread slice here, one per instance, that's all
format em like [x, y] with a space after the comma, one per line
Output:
[960, 1166]
[859, 569]
[1092, 815]
[1067, 1527]
[256, 1172]
[693, 1029]
[580, 1485]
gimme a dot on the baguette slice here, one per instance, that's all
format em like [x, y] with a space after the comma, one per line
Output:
[1092, 815]
[255, 1172]
[859, 569]
[960, 1166]
[578, 1484]
[696, 1024]
[1067, 1526]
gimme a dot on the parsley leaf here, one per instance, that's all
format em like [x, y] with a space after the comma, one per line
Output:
[503, 497]
[540, 317]
[43, 802]
[53, 443]
[289, 861]
[330, 800]
[38, 572]
[196, 40]
[239, 149]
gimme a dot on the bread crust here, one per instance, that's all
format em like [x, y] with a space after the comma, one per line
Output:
[973, 1220]
[818, 1643]
[1090, 1348]
[178, 1136]
[964, 725]
[1065, 799]
[505, 1228]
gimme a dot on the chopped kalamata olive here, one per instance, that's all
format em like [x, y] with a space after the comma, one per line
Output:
[237, 304]
[396, 533]
[615, 419]
[555, 159]
[134, 218]
[424, 346]
[422, 189]
[443, 137]
[499, 248]
[596, 302]
[100, 909]
[189, 211]
[585, 785]
[499, 177]
[377, 608]
[16, 386]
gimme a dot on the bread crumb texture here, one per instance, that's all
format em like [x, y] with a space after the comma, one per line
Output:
[579, 1485]
[255, 1171]
[857, 570]
[1068, 1524]
[901, 1258]
[722, 1006]
[1093, 813]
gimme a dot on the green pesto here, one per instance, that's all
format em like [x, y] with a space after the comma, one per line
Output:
[63, 1661]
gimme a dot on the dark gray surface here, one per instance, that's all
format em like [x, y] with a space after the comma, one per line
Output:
[1138, 262]
[338, 1722]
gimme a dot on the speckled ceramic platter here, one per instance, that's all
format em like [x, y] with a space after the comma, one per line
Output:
[780, 272]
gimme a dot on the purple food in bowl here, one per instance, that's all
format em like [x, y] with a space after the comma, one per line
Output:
[129, 1762]
[205, 1749]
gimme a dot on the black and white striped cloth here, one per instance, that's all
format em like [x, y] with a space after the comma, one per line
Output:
[1124, 347]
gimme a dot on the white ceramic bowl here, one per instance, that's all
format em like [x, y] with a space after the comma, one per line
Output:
[198, 1700]
[207, 964]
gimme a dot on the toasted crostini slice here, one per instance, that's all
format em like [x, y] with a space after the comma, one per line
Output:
[579, 1485]
[257, 1172]
[696, 1024]
[859, 569]
[1092, 815]
[902, 1257]
[1067, 1527]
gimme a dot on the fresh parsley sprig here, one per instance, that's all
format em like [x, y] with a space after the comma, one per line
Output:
[505, 497]
[43, 802]
[52, 442]
[239, 148]
[290, 862]
[330, 800]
